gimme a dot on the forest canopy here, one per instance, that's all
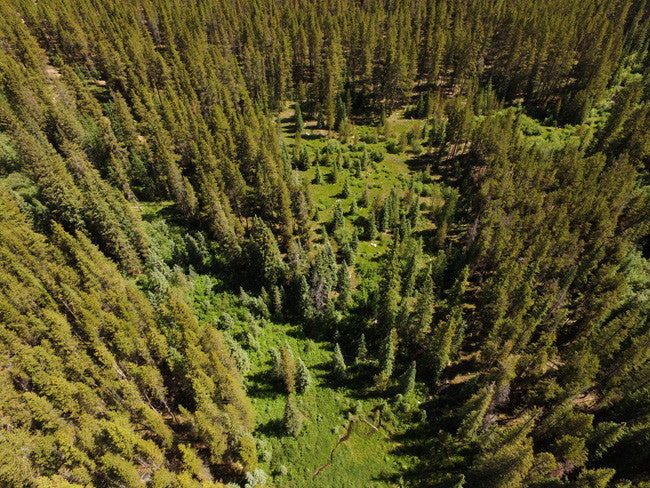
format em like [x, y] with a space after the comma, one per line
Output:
[325, 243]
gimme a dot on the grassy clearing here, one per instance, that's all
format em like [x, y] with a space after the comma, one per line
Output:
[366, 459]
[394, 170]
[369, 458]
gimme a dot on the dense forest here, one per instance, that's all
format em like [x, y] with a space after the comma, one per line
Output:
[368, 243]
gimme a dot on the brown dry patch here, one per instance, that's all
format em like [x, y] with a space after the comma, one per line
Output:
[51, 72]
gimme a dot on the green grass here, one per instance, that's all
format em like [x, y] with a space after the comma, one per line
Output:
[395, 170]
[369, 458]
[362, 461]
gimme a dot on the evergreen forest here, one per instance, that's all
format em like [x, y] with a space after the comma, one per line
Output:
[325, 243]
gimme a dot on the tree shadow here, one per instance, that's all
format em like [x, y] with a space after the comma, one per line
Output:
[312, 136]
[433, 466]
[272, 428]
[324, 368]
[421, 161]
[297, 333]
[262, 386]
[169, 213]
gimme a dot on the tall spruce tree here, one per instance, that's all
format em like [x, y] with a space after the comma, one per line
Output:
[338, 364]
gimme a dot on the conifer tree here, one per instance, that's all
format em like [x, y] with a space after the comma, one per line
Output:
[365, 201]
[345, 192]
[338, 364]
[293, 419]
[288, 367]
[320, 118]
[362, 350]
[303, 378]
[353, 208]
[365, 159]
[338, 221]
[473, 412]
[594, 478]
[407, 381]
[387, 360]
[421, 320]
[414, 251]
[304, 304]
[506, 457]
[354, 243]
[334, 174]
[300, 125]
[382, 117]
[389, 289]
[266, 253]
[238, 354]
[301, 212]
[371, 227]
[277, 298]
[277, 369]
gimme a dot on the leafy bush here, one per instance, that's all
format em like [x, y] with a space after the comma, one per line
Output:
[377, 155]
[392, 147]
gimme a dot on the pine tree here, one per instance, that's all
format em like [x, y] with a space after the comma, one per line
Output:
[338, 364]
[414, 253]
[594, 478]
[474, 411]
[341, 116]
[387, 361]
[389, 289]
[407, 381]
[414, 213]
[445, 338]
[362, 350]
[300, 125]
[265, 252]
[345, 192]
[382, 117]
[604, 436]
[293, 419]
[302, 215]
[334, 174]
[276, 364]
[318, 177]
[365, 201]
[304, 304]
[320, 118]
[303, 378]
[423, 311]
[353, 208]
[365, 159]
[288, 367]
[506, 458]
[277, 298]
[338, 221]
[354, 243]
